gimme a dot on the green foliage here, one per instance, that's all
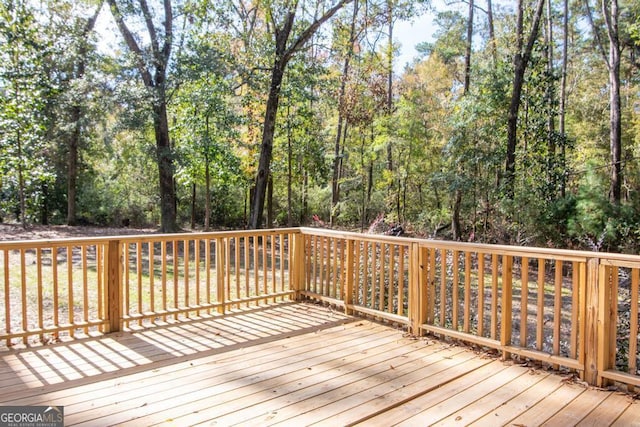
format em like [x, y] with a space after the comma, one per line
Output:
[593, 221]
[24, 89]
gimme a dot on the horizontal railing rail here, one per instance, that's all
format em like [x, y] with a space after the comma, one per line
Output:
[572, 309]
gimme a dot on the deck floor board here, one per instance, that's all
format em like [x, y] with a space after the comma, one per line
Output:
[293, 364]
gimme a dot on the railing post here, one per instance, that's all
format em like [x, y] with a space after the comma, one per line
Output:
[591, 322]
[606, 321]
[417, 292]
[297, 269]
[348, 288]
[113, 280]
[507, 294]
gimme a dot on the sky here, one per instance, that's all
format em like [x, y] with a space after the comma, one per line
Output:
[409, 34]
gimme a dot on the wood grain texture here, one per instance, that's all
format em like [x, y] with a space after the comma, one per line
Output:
[292, 364]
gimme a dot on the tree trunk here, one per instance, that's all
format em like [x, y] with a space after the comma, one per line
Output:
[156, 82]
[615, 132]
[389, 106]
[469, 45]
[207, 184]
[270, 202]
[456, 227]
[282, 56]
[492, 37]
[264, 165]
[612, 60]
[76, 116]
[165, 168]
[337, 161]
[289, 171]
[21, 189]
[520, 62]
[563, 92]
[193, 206]
[551, 100]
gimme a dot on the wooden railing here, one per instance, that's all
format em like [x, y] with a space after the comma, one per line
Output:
[573, 310]
[96, 285]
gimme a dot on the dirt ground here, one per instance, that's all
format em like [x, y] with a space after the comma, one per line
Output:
[33, 232]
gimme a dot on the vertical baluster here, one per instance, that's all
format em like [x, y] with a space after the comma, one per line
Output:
[23, 294]
[336, 270]
[187, 267]
[100, 284]
[70, 289]
[613, 315]
[374, 273]
[311, 268]
[633, 326]
[321, 262]
[575, 294]
[507, 302]
[365, 272]
[393, 289]
[7, 295]
[274, 281]
[494, 296]
[443, 287]
[524, 301]
[381, 268]
[56, 302]
[455, 265]
[125, 255]
[481, 274]
[540, 309]
[151, 267]
[265, 289]
[256, 266]
[176, 295]
[85, 288]
[196, 267]
[163, 277]
[282, 259]
[227, 268]
[401, 275]
[207, 269]
[431, 291]
[247, 267]
[40, 293]
[222, 298]
[139, 268]
[557, 305]
[467, 292]
[236, 267]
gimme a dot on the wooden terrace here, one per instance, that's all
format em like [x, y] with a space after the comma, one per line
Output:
[295, 364]
[302, 327]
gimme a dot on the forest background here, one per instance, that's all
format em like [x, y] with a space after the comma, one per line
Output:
[519, 123]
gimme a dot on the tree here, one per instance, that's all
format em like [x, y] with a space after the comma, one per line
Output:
[152, 64]
[609, 9]
[281, 19]
[341, 130]
[24, 90]
[520, 61]
[76, 111]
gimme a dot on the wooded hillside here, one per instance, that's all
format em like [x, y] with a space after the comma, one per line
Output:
[519, 123]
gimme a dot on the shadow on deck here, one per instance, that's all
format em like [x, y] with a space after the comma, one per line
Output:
[294, 364]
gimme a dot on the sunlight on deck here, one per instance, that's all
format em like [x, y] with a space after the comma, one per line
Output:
[294, 364]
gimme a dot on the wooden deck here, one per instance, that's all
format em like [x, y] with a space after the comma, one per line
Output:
[294, 364]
